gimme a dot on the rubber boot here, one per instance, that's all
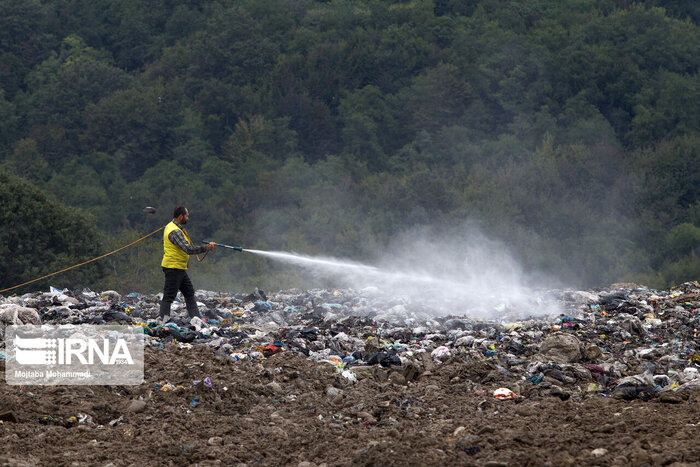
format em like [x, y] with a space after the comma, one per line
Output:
[165, 311]
[192, 309]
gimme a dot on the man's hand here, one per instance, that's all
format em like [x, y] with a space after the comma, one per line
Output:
[210, 246]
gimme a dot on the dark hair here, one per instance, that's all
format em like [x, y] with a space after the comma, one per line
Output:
[179, 210]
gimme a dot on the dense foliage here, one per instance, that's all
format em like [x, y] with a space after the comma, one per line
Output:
[39, 236]
[568, 129]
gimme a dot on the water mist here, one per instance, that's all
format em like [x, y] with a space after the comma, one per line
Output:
[470, 274]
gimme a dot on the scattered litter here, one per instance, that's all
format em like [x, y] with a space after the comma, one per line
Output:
[627, 342]
[503, 394]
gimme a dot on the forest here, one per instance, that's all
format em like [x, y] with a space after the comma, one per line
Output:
[568, 130]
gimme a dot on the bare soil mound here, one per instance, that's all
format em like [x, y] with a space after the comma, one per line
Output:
[289, 410]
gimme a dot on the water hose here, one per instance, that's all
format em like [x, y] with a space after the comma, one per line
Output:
[237, 248]
[83, 263]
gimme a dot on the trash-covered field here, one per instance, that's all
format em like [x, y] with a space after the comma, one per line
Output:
[344, 377]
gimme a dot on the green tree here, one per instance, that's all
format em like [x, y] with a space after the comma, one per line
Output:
[136, 269]
[39, 235]
[370, 125]
[437, 98]
[8, 120]
[62, 85]
[669, 179]
[682, 240]
[22, 31]
[134, 122]
[27, 161]
[669, 107]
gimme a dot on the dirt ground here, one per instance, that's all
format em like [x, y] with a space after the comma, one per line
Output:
[288, 410]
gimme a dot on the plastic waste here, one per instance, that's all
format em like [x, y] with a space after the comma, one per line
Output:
[503, 394]
[441, 353]
[598, 342]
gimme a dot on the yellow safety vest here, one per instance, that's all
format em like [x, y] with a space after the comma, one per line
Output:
[173, 256]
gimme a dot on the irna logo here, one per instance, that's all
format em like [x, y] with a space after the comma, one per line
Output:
[74, 354]
[67, 351]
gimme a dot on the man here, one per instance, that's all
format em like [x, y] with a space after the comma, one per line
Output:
[177, 248]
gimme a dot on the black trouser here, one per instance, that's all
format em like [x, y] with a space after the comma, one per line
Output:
[177, 279]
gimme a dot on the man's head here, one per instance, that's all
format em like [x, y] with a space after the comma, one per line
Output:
[180, 215]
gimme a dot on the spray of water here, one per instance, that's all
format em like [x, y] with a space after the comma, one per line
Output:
[478, 278]
[318, 262]
[357, 272]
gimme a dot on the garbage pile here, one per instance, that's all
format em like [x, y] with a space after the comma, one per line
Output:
[626, 342]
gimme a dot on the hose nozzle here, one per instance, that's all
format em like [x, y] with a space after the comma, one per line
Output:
[237, 248]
